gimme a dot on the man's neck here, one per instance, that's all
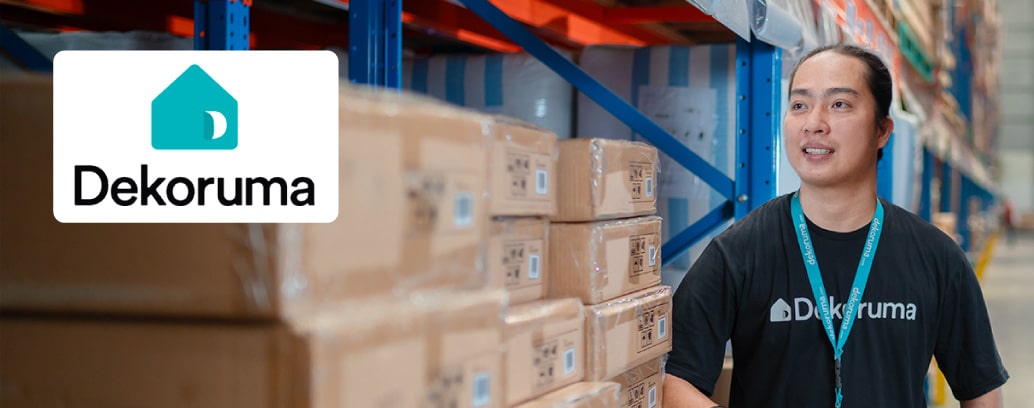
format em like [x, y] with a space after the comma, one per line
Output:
[839, 209]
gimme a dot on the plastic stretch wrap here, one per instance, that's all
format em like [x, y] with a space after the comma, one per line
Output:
[545, 347]
[603, 179]
[516, 85]
[627, 332]
[688, 91]
[643, 385]
[600, 261]
[580, 395]
[412, 217]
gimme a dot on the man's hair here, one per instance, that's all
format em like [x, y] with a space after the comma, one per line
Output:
[877, 77]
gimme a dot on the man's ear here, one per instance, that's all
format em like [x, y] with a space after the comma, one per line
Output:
[884, 130]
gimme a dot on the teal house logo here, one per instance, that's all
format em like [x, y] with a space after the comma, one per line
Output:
[194, 113]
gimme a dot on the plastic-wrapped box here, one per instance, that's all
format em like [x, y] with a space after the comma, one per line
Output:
[642, 387]
[604, 260]
[603, 179]
[465, 347]
[518, 259]
[545, 348]
[412, 216]
[516, 85]
[580, 395]
[627, 332]
[522, 169]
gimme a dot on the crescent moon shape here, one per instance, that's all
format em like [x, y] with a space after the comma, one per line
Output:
[218, 124]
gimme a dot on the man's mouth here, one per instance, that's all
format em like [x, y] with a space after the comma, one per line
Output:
[815, 150]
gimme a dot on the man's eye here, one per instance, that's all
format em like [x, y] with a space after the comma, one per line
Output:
[839, 104]
[797, 106]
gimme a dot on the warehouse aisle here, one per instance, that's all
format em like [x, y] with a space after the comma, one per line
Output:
[1009, 291]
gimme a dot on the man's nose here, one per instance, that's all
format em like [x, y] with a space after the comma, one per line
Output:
[816, 122]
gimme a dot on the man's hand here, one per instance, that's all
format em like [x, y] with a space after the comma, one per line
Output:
[680, 393]
[992, 399]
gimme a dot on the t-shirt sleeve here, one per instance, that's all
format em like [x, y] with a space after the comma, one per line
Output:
[965, 350]
[704, 311]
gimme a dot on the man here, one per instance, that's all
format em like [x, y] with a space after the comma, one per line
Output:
[895, 290]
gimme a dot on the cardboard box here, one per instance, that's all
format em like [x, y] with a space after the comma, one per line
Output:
[522, 168]
[545, 348]
[580, 395]
[465, 348]
[642, 387]
[412, 216]
[351, 359]
[517, 257]
[604, 179]
[604, 260]
[627, 332]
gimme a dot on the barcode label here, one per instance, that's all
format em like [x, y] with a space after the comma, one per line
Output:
[463, 210]
[569, 361]
[652, 254]
[533, 266]
[649, 186]
[482, 393]
[541, 182]
[662, 328]
[652, 397]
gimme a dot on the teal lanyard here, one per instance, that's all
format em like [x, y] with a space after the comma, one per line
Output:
[819, 289]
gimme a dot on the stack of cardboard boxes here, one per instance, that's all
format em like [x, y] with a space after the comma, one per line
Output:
[388, 306]
[442, 283]
[604, 250]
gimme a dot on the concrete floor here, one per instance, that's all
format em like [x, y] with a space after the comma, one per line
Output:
[1009, 291]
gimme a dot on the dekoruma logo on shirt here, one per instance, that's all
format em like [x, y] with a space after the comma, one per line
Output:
[192, 113]
[803, 308]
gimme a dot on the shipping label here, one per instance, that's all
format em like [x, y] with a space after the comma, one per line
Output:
[528, 175]
[653, 326]
[641, 181]
[555, 359]
[643, 255]
[522, 261]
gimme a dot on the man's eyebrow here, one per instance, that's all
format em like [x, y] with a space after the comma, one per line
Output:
[833, 91]
[827, 93]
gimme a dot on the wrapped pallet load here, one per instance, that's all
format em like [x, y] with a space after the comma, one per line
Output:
[516, 85]
[688, 91]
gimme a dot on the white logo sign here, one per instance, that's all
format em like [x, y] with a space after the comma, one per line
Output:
[196, 136]
[803, 309]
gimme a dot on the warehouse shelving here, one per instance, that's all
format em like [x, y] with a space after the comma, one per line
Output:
[374, 31]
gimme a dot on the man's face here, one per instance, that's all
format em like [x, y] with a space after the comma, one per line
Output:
[830, 133]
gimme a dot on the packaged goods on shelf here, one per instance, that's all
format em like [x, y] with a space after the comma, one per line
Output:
[642, 386]
[545, 348]
[516, 85]
[580, 395]
[347, 359]
[688, 91]
[601, 179]
[627, 332]
[412, 216]
[518, 258]
[600, 261]
[522, 169]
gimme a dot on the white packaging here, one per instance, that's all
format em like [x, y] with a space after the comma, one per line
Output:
[515, 85]
[689, 91]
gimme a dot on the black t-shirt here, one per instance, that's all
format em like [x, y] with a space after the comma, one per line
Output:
[750, 285]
